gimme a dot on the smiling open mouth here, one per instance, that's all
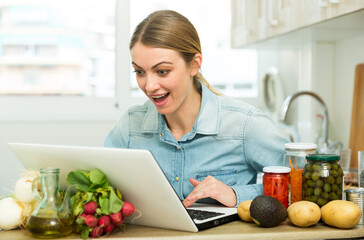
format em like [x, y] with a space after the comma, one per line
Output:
[160, 98]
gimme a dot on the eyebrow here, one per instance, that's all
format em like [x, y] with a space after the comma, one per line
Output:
[153, 66]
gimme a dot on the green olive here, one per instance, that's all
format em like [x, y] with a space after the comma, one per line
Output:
[334, 188]
[309, 191]
[339, 192]
[325, 195]
[309, 167]
[319, 183]
[305, 186]
[317, 191]
[313, 198]
[321, 202]
[315, 176]
[333, 196]
[307, 175]
[334, 173]
[311, 183]
[316, 167]
[327, 187]
[340, 172]
[334, 166]
[339, 180]
[330, 180]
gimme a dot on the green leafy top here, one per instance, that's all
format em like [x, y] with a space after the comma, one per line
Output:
[94, 186]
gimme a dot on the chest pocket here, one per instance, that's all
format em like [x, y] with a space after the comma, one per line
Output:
[226, 176]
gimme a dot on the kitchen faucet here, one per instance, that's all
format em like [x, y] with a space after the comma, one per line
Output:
[325, 129]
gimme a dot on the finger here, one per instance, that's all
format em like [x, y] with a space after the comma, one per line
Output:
[194, 182]
[197, 193]
[188, 201]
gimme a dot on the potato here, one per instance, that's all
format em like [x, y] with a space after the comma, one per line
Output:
[304, 213]
[341, 214]
[244, 212]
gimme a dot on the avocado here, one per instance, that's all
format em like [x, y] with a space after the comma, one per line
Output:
[267, 211]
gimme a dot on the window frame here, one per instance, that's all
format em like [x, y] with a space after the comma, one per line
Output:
[90, 109]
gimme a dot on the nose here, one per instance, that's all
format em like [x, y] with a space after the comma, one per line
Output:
[152, 84]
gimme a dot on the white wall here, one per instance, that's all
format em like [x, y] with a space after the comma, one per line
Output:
[348, 54]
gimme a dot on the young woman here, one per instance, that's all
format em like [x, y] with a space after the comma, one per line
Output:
[209, 146]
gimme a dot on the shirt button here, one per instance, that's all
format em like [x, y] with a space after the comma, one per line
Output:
[178, 148]
[161, 134]
[177, 179]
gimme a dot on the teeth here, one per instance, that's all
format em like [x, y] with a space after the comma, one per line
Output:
[159, 96]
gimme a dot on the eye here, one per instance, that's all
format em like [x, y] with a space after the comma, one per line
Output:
[138, 72]
[163, 72]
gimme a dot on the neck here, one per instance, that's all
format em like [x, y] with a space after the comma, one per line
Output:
[182, 121]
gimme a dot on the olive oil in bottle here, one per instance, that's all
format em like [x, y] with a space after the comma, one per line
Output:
[49, 227]
[52, 217]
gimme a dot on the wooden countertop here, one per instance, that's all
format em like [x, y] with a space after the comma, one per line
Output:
[233, 230]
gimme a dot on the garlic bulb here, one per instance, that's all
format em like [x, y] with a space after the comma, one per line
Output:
[10, 214]
[23, 190]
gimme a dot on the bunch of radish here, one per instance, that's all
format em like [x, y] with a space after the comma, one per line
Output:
[97, 224]
[98, 207]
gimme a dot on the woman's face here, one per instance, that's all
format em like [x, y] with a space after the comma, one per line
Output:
[164, 77]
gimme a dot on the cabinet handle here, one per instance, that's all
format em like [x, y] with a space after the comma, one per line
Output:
[272, 13]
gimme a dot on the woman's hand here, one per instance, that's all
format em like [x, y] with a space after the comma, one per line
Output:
[213, 188]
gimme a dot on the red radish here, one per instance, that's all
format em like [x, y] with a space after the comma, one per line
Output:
[90, 207]
[117, 218]
[97, 232]
[109, 228]
[128, 209]
[90, 220]
[104, 221]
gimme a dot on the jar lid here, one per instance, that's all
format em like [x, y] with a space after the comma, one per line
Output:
[276, 169]
[323, 157]
[300, 146]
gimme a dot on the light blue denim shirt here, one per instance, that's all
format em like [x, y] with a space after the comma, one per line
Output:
[230, 141]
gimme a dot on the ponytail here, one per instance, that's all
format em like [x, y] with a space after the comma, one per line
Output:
[198, 79]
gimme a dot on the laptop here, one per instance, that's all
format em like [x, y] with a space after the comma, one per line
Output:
[138, 177]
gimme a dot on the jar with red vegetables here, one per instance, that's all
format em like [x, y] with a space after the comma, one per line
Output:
[276, 183]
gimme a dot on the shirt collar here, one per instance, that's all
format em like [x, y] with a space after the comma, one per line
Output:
[207, 120]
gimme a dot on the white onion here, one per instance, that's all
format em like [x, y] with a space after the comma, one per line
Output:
[10, 214]
[23, 190]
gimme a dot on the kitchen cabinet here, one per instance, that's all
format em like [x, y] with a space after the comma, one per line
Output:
[258, 20]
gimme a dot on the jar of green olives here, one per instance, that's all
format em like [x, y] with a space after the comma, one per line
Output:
[322, 179]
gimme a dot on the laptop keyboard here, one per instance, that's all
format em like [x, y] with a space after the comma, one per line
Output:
[201, 215]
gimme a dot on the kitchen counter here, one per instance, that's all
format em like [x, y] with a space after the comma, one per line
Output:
[233, 230]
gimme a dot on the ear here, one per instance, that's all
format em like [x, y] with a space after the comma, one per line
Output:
[196, 64]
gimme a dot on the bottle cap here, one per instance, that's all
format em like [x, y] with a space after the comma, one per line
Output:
[323, 157]
[300, 146]
[276, 169]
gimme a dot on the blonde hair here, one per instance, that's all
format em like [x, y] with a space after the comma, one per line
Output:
[171, 30]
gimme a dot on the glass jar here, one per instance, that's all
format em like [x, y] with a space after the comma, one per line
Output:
[322, 179]
[276, 183]
[52, 218]
[295, 158]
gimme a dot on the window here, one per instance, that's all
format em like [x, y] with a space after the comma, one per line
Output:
[63, 63]
[233, 71]
[50, 48]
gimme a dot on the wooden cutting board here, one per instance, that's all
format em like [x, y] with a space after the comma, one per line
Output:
[357, 117]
